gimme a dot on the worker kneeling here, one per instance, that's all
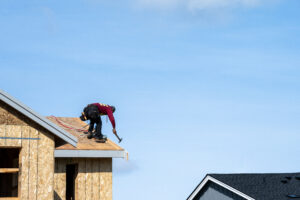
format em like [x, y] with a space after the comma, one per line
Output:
[93, 113]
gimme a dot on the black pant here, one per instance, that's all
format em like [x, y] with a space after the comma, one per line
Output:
[98, 123]
[94, 117]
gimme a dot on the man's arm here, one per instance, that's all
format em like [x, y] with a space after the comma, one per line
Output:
[111, 117]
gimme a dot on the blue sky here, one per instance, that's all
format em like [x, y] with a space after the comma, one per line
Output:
[200, 86]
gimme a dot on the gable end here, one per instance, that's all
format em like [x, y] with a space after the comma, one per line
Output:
[208, 180]
[42, 121]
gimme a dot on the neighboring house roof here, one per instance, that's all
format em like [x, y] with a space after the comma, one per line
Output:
[42, 121]
[256, 186]
[85, 147]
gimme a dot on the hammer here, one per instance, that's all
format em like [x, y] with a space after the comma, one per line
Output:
[120, 139]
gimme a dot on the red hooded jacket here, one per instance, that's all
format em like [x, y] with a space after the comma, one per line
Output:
[106, 110]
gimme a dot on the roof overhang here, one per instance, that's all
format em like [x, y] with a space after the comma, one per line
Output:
[90, 154]
[209, 178]
[42, 121]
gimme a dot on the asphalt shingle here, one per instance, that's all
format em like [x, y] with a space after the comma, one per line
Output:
[264, 186]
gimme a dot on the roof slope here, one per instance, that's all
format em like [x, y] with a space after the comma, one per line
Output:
[42, 121]
[263, 186]
[90, 147]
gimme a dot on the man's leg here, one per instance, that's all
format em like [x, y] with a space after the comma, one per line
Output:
[91, 128]
[93, 115]
[98, 134]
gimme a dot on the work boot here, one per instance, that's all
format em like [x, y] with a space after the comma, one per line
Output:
[90, 135]
[100, 137]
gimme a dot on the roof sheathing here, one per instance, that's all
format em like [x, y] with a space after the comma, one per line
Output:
[86, 148]
[42, 121]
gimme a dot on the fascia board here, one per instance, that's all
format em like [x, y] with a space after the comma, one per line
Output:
[90, 154]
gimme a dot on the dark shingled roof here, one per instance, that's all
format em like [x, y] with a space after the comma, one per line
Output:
[263, 186]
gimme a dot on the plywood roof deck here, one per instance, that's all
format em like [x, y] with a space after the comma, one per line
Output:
[83, 142]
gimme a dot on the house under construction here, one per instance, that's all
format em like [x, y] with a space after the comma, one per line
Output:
[51, 158]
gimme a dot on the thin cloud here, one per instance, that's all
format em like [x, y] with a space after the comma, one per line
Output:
[198, 5]
[217, 4]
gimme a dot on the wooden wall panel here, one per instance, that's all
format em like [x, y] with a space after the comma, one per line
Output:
[3, 115]
[14, 132]
[45, 167]
[96, 178]
[60, 179]
[93, 181]
[33, 160]
[89, 180]
[10, 116]
[81, 179]
[24, 165]
[36, 161]
[106, 179]
[2, 134]
[15, 118]
[75, 161]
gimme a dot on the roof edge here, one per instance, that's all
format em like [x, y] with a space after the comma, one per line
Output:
[47, 124]
[210, 178]
[91, 154]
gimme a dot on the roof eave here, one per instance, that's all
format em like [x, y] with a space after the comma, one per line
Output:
[91, 154]
[47, 124]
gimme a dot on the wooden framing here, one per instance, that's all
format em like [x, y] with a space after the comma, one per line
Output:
[40, 174]
[9, 170]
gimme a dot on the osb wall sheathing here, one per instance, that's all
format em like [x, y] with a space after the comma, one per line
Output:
[93, 181]
[36, 161]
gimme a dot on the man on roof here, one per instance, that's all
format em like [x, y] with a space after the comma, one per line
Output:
[93, 112]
